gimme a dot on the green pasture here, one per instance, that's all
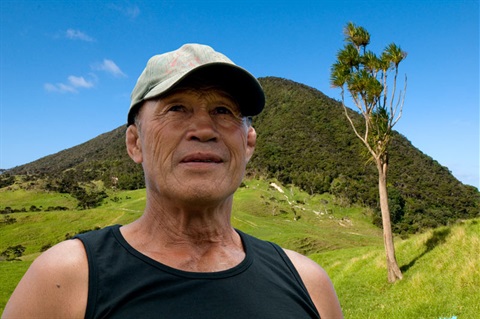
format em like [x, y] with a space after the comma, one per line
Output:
[441, 266]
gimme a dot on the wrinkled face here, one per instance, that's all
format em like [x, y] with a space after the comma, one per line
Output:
[193, 145]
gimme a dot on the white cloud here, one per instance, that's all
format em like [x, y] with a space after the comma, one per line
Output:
[78, 35]
[59, 88]
[49, 87]
[74, 82]
[130, 11]
[110, 67]
[79, 81]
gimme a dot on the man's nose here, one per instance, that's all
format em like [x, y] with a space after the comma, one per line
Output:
[202, 127]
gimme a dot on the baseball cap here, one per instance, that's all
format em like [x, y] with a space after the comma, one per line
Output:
[166, 71]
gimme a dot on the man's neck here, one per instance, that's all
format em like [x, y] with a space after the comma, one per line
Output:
[200, 240]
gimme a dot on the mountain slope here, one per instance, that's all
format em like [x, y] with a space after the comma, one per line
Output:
[304, 139]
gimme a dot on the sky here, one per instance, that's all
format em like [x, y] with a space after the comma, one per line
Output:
[67, 68]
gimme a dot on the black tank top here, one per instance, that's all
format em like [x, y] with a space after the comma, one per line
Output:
[123, 283]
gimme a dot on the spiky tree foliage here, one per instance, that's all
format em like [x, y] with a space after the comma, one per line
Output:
[366, 77]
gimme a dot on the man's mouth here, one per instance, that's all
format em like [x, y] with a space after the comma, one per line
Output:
[202, 158]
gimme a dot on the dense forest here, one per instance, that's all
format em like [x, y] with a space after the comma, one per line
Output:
[303, 139]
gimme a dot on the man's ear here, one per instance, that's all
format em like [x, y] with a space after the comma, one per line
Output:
[251, 142]
[134, 145]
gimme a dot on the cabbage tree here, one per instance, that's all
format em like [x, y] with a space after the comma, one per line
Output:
[371, 81]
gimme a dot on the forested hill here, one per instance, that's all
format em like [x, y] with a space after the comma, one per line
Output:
[304, 139]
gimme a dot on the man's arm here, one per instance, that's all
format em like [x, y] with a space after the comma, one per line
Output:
[318, 285]
[55, 285]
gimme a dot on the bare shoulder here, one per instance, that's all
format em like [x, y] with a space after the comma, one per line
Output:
[318, 284]
[55, 285]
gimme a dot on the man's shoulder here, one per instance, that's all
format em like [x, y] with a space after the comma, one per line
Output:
[65, 262]
[64, 255]
[55, 284]
[318, 284]
[305, 266]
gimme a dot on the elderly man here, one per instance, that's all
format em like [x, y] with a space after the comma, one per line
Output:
[189, 127]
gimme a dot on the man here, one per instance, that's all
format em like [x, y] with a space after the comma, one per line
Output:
[188, 127]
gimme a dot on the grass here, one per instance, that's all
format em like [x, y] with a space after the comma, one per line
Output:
[20, 198]
[441, 267]
[441, 271]
[10, 275]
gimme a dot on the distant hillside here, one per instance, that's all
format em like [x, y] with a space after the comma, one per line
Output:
[304, 139]
[100, 158]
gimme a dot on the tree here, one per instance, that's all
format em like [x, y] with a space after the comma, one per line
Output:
[366, 77]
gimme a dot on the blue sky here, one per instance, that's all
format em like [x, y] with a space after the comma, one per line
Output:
[67, 67]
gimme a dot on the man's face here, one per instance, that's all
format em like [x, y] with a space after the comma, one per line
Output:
[193, 145]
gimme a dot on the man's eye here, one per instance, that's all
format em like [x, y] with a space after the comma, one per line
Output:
[223, 110]
[176, 108]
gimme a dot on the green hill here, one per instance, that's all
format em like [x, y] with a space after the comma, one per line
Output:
[441, 266]
[303, 139]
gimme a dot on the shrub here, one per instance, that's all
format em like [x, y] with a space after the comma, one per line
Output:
[7, 220]
[13, 252]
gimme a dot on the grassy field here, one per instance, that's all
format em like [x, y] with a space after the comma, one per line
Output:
[441, 267]
[441, 271]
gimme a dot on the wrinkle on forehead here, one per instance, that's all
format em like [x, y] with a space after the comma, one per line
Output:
[206, 92]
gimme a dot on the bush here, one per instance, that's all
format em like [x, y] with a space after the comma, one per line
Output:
[6, 180]
[13, 252]
[7, 220]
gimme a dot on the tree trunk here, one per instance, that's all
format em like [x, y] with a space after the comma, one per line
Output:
[394, 272]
